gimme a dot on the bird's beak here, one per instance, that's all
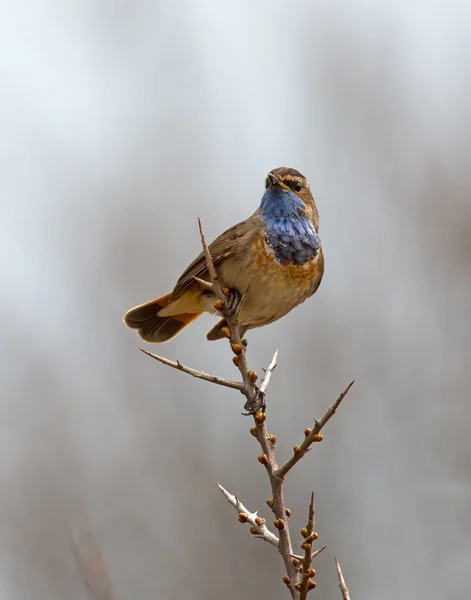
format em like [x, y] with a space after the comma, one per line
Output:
[273, 179]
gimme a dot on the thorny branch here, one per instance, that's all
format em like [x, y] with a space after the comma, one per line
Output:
[236, 385]
[307, 572]
[258, 529]
[311, 435]
[342, 585]
[298, 567]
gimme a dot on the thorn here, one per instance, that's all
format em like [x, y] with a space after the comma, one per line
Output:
[317, 552]
[207, 285]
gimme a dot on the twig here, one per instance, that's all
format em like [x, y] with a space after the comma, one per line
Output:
[313, 555]
[310, 535]
[317, 552]
[245, 516]
[237, 345]
[268, 373]
[342, 584]
[276, 475]
[277, 502]
[312, 436]
[236, 385]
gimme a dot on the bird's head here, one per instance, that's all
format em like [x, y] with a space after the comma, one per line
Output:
[288, 194]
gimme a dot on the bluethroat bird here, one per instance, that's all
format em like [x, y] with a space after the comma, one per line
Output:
[271, 262]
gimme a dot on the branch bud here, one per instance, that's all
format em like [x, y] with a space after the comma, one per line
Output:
[253, 531]
[215, 276]
[298, 451]
[219, 305]
[260, 418]
[304, 532]
[253, 376]
[270, 502]
[243, 517]
[288, 512]
[311, 572]
[253, 431]
[272, 438]
[226, 332]
[298, 587]
[226, 291]
[263, 458]
[279, 524]
[314, 535]
[244, 343]
[237, 349]
[312, 584]
[306, 546]
[307, 431]
[286, 579]
[318, 437]
[235, 360]
[260, 521]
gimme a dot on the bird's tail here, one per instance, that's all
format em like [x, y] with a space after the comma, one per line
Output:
[152, 328]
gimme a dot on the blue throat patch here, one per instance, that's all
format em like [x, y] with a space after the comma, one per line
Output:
[291, 235]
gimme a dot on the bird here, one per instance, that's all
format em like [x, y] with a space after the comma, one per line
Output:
[271, 262]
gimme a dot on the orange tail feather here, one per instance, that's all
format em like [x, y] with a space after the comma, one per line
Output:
[153, 328]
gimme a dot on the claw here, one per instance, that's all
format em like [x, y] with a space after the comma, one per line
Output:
[259, 404]
[233, 302]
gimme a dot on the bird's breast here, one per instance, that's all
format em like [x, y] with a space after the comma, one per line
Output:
[285, 272]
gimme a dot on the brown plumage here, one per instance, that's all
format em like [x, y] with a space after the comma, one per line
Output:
[270, 287]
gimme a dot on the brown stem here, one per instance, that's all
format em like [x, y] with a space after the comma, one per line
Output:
[307, 561]
[249, 390]
[312, 436]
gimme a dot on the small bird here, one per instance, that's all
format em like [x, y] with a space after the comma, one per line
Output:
[271, 262]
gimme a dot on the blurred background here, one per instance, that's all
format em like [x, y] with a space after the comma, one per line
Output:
[122, 122]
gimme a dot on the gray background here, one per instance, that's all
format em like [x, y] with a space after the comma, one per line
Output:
[121, 123]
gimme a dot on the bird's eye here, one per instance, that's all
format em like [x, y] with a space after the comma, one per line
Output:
[298, 186]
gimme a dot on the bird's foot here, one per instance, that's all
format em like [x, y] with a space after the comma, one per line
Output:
[233, 301]
[256, 405]
[229, 306]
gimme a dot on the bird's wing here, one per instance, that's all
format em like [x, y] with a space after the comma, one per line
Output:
[227, 244]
